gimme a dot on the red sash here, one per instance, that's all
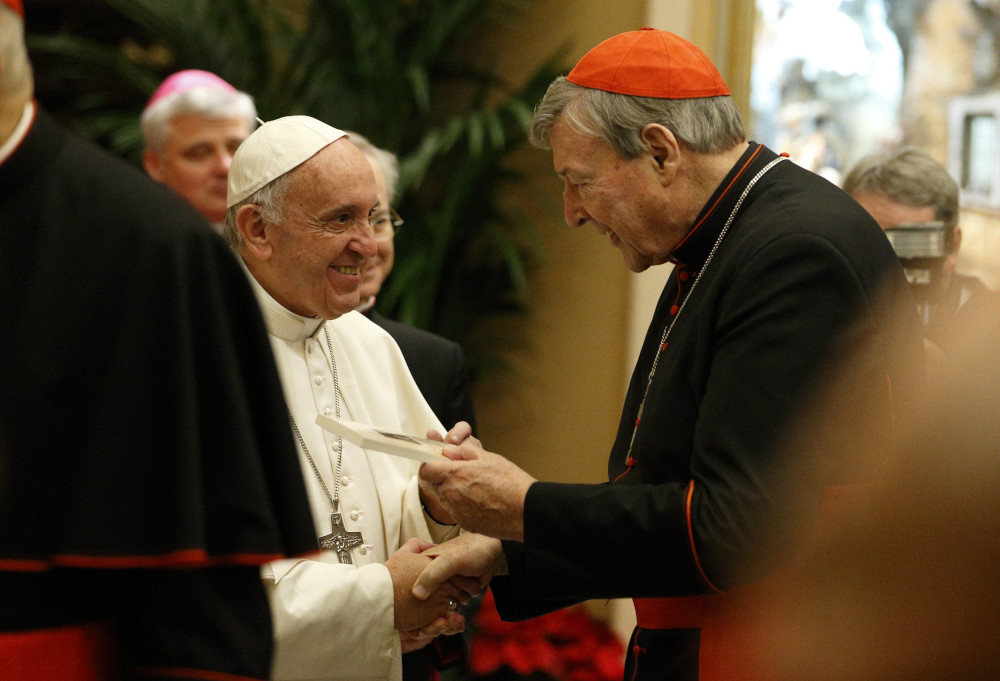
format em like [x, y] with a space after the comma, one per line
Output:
[74, 653]
[731, 645]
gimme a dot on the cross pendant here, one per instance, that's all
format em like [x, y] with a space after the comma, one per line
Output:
[340, 540]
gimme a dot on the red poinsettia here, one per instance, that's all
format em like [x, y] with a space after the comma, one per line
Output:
[566, 645]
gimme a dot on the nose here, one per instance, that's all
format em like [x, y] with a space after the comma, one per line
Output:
[223, 160]
[573, 210]
[367, 245]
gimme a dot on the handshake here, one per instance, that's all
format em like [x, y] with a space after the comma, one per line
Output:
[484, 493]
[430, 582]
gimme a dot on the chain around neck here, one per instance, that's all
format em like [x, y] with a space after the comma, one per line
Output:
[629, 459]
[335, 497]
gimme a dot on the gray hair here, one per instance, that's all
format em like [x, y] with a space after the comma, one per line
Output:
[703, 124]
[209, 102]
[910, 176]
[16, 81]
[270, 202]
[384, 159]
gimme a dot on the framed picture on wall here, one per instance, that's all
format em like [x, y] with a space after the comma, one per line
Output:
[974, 148]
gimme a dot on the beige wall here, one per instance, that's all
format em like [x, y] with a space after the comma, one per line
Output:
[558, 415]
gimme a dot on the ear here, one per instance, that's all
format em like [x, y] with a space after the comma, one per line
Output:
[664, 150]
[957, 240]
[153, 164]
[254, 232]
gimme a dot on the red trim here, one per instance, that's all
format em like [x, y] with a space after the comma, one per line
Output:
[725, 191]
[694, 549]
[183, 673]
[687, 612]
[77, 653]
[184, 558]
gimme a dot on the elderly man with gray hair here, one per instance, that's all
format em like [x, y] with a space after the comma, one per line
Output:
[301, 201]
[778, 279]
[191, 127]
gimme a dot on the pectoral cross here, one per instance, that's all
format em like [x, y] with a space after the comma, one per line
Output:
[340, 540]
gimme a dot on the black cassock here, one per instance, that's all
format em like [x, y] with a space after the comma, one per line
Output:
[803, 284]
[146, 463]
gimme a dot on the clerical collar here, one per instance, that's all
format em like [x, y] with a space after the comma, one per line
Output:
[279, 320]
[20, 131]
[366, 305]
[696, 245]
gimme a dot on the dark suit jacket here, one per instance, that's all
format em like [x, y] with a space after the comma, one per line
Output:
[439, 368]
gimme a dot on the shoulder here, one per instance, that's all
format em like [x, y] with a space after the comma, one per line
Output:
[411, 336]
[356, 331]
[117, 197]
[800, 212]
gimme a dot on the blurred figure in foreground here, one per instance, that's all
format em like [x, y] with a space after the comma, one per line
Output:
[146, 463]
[903, 584]
[191, 127]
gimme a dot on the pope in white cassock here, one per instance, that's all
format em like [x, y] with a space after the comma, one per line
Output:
[300, 196]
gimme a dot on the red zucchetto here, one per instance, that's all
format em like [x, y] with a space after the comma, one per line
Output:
[649, 63]
[15, 5]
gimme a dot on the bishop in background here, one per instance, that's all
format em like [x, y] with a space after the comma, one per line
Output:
[301, 198]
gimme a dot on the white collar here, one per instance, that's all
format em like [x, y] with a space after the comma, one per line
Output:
[279, 320]
[20, 131]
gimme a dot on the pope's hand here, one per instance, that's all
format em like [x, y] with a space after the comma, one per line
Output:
[432, 612]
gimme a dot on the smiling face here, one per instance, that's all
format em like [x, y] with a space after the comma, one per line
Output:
[195, 160]
[311, 261]
[628, 200]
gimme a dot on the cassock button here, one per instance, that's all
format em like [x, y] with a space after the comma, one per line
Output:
[683, 276]
[319, 380]
[363, 550]
[347, 480]
[674, 309]
[356, 514]
[328, 412]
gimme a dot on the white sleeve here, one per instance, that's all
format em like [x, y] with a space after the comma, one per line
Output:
[332, 621]
[416, 522]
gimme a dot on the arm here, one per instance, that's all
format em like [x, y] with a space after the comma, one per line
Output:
[346, 620]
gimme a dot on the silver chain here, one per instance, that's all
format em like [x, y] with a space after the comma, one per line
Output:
[687, 296]
[335, 497]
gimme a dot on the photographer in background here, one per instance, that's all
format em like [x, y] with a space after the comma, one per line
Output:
[909, 188]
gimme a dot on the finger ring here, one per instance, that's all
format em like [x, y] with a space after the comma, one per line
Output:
[452, 604]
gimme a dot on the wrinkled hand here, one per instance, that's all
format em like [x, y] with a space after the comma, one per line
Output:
[453, 623]
[427, 614]
[482, 491]
[474, 557]
[462, 432]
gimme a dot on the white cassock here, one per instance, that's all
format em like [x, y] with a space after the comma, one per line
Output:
[332, 620]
